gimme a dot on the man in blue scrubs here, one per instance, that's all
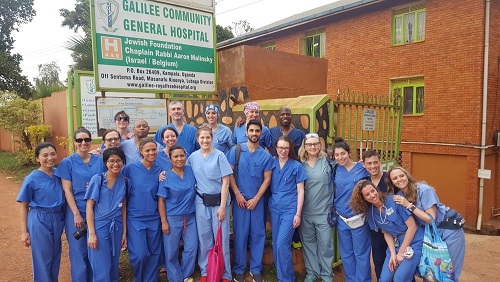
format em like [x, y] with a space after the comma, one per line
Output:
[252, 111]
[253, 177]
[286, 128]
[187, 133]
[131, 147]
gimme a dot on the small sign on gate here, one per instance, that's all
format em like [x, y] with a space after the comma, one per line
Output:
[369, 118]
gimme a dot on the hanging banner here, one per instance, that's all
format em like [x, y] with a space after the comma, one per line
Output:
[147, 46]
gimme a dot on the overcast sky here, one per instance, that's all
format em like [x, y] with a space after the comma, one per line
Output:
[43, 40]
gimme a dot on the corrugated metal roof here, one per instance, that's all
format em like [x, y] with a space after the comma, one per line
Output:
[298, 19]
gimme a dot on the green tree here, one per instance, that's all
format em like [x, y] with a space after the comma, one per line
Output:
[13, 13]
[223, 33]
[48, 81]
[80, 45]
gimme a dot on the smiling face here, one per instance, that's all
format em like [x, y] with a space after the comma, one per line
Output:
[47, 157]
[169, 138]
[122, 122]
[283, 149]
[178, 158]
[371, 195]
[211, 116]
[112, 140]
[372, 165]
[399, 179]
[312, 146]
[285, 116]
[253, 133]
[341, 156]
[82, 142]
[204, 138]
[176, 111]
[149, 152]
[252, 114]
[114, 164]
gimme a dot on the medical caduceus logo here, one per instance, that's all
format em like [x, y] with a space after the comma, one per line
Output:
[108, 9]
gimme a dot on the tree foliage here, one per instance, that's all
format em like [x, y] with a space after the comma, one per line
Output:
[13, 13]
[48, 81]
[223, 33]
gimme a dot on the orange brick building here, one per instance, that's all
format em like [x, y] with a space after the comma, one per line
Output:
[433, 52]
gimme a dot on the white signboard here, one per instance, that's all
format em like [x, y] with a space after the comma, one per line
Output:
[369, 118]
[154, 47]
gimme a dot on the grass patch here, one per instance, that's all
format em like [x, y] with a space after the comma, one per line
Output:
[10, 164]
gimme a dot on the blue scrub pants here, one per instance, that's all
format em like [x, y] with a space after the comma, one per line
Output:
[355, 247]
[248, 225]
[317, 245]
[455, 240]
[144, 247]
[105, 259]
[45, 229]
[282, 227]
[207, 223]
[81, 270]
[406, 269]
[379, 248]
[181, 227]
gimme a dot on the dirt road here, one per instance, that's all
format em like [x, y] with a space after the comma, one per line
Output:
[482, 262]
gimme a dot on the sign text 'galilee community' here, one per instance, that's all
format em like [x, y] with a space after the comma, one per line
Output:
[153, 47]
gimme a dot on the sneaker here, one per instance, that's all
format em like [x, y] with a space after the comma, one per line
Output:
[239, 277]
[296, 245]
[257, 277]
[189, 279]
[308, 278]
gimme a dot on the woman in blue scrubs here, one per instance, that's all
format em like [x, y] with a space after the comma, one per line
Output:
[285, 204]
[211, 170]
[222, 140]
[75, 172]
[402, 234]
[42, 215]
[143, 219]
[354, 233]
[315, 232]
[423, 201]
[169, 138]
[177, 212]
[106, 217]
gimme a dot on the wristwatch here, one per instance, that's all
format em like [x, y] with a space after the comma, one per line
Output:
[412, 208]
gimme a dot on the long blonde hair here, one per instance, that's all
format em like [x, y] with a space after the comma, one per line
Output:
[411, 191]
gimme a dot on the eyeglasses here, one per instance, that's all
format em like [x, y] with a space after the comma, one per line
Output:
[315, 144]
[80, 140]
[113, 162]
[115, 139]
[122, 119]
[312, 135]
[283, 148]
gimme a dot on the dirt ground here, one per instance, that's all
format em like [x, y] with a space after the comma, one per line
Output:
[482, 261]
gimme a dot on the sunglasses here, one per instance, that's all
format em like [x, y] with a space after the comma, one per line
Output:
[312, 135]
[122, 119]
[80, 140]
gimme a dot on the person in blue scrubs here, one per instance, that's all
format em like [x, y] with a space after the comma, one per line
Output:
[131, 147]
[253, 178]
[285, 204]
[106, 217]
[143, 218]
[177, 212]
[75, 172]
[211, 170]
[315, 232]
[252, 111]
[110, 139]
[187, 133]
[423, 201]
[42, 215]
[286, 128]
[222, 140]
[401, 232]
[354, 242]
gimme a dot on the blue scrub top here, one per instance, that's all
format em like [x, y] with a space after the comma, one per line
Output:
[179, 192]
[251, 169]
[164, 161]
[108, 201]
[131, 151]
[72, 168]
[40, 190]
[295, 134]
[426, 198]
[209, 171]
[345, 182]
[142, 203]
[284, 185]
[186, 139]
[239, 136]
[222, 140]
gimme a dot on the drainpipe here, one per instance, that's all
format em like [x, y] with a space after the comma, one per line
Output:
[485, 101]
